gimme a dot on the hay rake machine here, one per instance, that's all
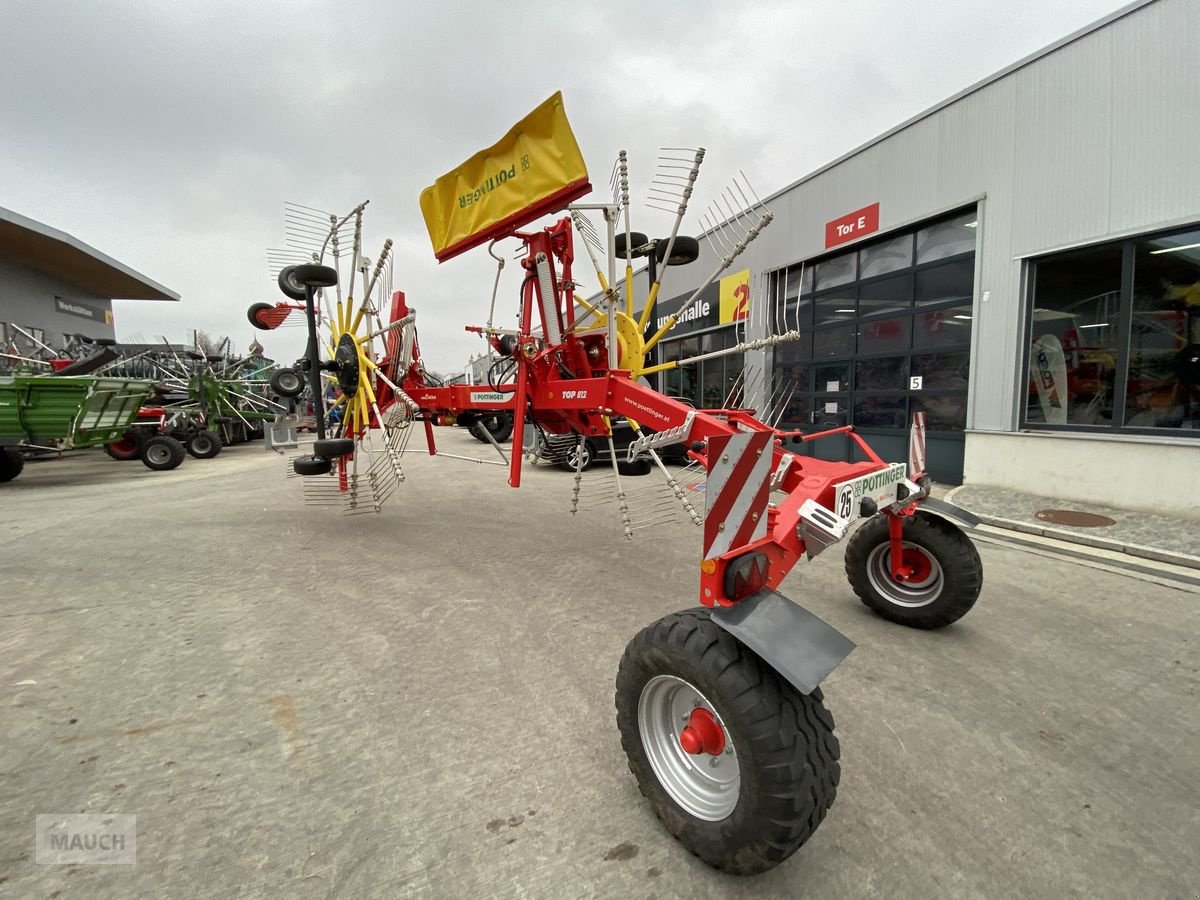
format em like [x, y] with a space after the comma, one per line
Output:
[719, 707]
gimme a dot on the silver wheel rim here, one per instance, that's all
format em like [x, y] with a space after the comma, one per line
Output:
[911, 594]
[158, 454]
[705, 786]
[289, 383]
[577, 453]
[202, 445]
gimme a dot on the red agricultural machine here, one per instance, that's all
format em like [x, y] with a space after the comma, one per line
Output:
[719, 706]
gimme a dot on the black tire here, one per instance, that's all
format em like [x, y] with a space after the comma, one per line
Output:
[943, 595]
[636, 239]
[333, 447]
[162, 453]
[685, 250]
[11, 464]
[292, 289]
[500, 425]
[314, 275]
[786, 753]
[204, 444]
[312, 465]
[589, 457]
[637, 468]
[127, 448]
[287, 383]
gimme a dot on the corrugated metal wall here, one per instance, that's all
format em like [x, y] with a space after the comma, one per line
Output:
[1095, 139]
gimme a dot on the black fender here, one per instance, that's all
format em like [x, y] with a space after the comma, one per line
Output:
[799, 646]
[950, 511]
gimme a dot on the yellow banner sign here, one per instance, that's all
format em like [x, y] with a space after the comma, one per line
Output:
[735, 297]
[534, 170]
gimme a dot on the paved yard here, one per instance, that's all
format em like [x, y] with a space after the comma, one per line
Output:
[298, 704]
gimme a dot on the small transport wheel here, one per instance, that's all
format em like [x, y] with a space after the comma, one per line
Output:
[162, 452]
[588, 453]
[287, 383]
[312, 465]
[11, 464]
[945, 572]
[499, 425]
[638, 467]
[204, 444]
[314, 276]
[253, 312]
[333, 447]
[127, 448]
[637, 240]
[685, 250]
[740, 766]
[292, 289]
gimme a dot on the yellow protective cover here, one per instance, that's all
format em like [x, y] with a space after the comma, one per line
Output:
[534, 170]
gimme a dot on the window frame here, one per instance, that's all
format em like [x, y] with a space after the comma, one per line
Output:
[809, 358]
[1128, 247]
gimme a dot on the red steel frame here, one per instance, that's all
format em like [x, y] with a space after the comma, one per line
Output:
[568, 388]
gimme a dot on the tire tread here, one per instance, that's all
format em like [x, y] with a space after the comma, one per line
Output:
[788, 733]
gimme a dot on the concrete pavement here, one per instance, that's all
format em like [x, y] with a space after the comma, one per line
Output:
[419, 703]
[1140, 534]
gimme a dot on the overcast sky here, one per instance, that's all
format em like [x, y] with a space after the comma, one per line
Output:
[169, 134]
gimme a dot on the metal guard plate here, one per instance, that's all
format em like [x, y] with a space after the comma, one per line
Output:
[801, 647]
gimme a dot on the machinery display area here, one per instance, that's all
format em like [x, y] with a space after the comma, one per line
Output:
[705, 697]
[674, 590]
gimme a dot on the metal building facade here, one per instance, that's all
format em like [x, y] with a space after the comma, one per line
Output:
[1089, 140]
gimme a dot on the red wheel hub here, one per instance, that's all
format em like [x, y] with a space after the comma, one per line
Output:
[915, 565]
[702, 734]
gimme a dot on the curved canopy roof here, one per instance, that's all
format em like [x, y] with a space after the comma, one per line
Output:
[59, 254]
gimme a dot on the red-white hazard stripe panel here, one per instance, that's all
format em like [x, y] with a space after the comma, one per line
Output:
[916, 446]
[737, 490]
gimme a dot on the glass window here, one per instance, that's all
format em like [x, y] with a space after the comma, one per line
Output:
[887, 295]
[833, 378]
[797, 314]
[713, 384]
[1163, 382]
[949, 238]
[889, 256]
[829, 342]
[1073, 352]
[836, 307]
[798, 410]
[836, 271]
[942, 327]
[830, 412]
[946, 283]
[689, 376]
[887, 374]
[881, 412]
[791, 351]
[734, 365]
[799, 280]
[942, 371]
[943, 412]
[881, 335]
[796, 374]
[672, 382]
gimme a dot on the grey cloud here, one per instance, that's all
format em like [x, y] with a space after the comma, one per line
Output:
[169, 134]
